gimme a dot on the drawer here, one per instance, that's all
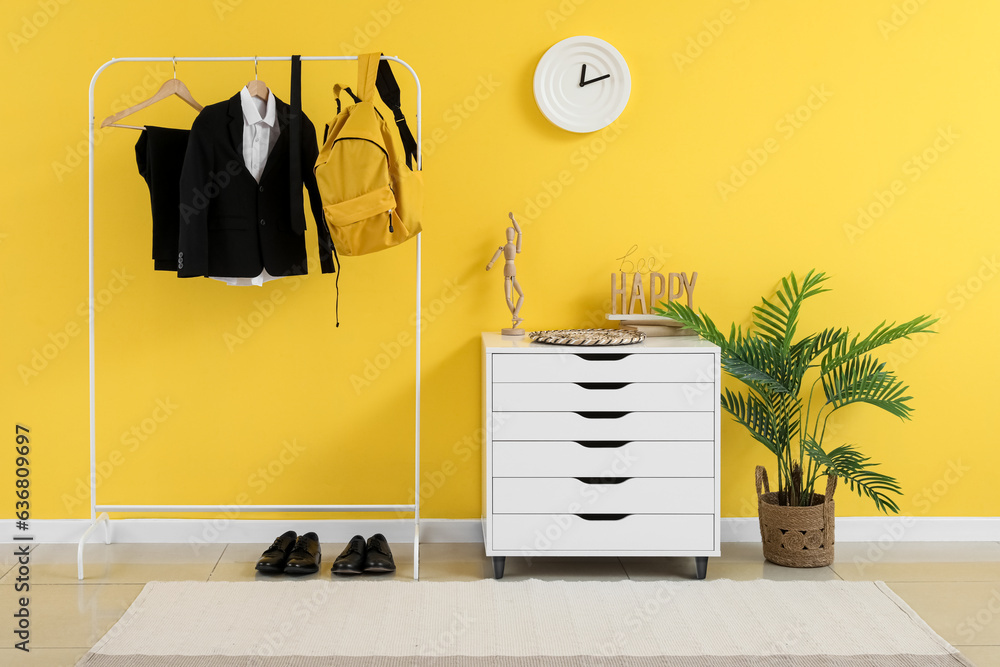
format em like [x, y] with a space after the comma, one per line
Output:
[591, 396]
[603, 425]
[594, 495]
[604, 367]
[656, 458]
[538, 533]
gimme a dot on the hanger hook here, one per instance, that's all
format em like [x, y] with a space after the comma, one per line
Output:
[255, 68]
[174, 60]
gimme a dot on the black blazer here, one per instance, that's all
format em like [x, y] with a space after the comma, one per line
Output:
[231, 225]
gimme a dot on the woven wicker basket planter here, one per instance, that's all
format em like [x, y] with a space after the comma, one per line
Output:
[796, 536]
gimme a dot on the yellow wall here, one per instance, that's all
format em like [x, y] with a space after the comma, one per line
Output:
[897, 80]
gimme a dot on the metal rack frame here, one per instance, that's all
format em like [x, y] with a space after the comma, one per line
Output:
[95, 508]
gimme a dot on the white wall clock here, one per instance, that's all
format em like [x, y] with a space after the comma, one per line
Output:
[582, 84]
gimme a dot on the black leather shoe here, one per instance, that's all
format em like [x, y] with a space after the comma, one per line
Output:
[305, 556]
[352, 559]
[273, 560]
[378, 557]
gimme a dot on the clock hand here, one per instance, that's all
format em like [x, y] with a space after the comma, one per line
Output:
[600, 78]
[583, 75]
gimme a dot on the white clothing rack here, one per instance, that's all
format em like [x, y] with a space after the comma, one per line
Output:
[96, 508]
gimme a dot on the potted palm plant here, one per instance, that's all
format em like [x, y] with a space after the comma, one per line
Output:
[792, 386]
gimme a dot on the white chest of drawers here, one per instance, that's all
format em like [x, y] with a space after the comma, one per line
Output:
[600, 451]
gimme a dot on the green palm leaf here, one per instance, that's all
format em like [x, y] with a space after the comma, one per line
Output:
[804, 352]
[865, 380]
[699, 322]
[852, 348]
[745, 358]
[847, 463]
[754, 415]
[757, 363]
[778, 321]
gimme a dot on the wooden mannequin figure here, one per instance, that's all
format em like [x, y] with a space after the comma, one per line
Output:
[510, 250]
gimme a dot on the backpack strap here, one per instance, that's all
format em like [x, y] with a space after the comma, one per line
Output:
[336, 97]
[388, 90]
[347, 89]
[367, 72]
[375, 77]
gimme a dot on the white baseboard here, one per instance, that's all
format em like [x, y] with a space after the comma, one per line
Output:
[736, 529]
[886, 528]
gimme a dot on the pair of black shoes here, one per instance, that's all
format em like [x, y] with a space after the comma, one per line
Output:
[291, 554]
[358, 556]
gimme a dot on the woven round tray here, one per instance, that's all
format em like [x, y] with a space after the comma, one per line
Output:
[587, 337]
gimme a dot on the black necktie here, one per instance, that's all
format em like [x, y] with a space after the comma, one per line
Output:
[297, 213]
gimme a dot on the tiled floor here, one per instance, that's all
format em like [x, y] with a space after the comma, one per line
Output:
[955, 587]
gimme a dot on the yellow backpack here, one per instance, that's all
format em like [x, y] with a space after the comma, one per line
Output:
[372, 195]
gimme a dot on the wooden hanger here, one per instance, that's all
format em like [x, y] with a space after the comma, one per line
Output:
[257, 88]
[173, 86]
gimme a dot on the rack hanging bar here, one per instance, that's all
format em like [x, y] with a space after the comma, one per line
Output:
[94, 507]
[256, 508]
[239, 59]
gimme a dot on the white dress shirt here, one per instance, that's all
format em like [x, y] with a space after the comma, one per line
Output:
[260, 133]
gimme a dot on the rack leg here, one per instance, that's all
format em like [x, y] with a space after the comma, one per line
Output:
[103, 518]
[416, 550]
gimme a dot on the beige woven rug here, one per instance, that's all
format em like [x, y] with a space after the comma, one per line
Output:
[519, 624]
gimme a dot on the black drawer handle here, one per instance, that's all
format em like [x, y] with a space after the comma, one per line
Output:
[601, 357]
[602, 415]
[602, 385]
[602, 480]
[602, 517]
[602, 444]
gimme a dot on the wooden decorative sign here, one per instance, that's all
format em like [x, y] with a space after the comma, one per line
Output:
[673, 286]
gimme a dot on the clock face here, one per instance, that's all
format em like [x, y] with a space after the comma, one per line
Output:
[582, 84]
